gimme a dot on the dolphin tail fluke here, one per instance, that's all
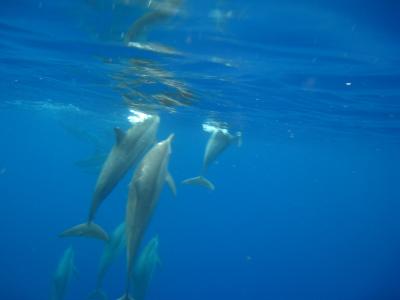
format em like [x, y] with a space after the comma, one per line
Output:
[126, 297]
[200, 180]
[90, 230]
[97, 295]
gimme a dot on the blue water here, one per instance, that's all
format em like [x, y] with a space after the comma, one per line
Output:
[307, 208]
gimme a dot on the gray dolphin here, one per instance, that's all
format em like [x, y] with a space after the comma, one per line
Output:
[217, 143]
[161, 11]
[219, 140]
[63, 274]
[110, 253]
[144, 191]
[144, 269]
[129, 147]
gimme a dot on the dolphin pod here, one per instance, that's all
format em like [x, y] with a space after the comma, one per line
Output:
[151, 173]
[218, 142]
[143, 196]
[129, 147]
[144, 269]
[110, 253]
[144, 191]
[63, 274]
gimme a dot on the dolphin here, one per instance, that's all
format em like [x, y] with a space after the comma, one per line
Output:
[144, 269]
[63, 274]
[91, 164]
[218, 142]
[144, 191]
[160, 12]
[128, 149]
[110, 253]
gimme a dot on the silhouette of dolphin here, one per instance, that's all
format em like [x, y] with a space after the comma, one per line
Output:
[63, 274]
[144, 191]
[144, 269]
[160, 11]
[110, 253]
[218, 142]
[129, 147]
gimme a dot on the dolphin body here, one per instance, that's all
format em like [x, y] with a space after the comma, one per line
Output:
[63, 274]
[144, 269]
[110, 253]
[144, 191]
[129, 147]
[218, 142]
[160, 11]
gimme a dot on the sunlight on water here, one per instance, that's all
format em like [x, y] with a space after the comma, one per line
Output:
[137, 116]
[155, 48]
[213, 127]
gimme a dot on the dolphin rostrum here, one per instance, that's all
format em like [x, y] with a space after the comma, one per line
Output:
[144, 191]
[128, 149]
[219, 140]
[110, 253]
[144, 269]
[63, 274]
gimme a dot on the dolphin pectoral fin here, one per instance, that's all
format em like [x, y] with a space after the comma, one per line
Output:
[200, 180]
[171, 183]
[126, 297]
[119, 135]
[91, 230]
[97, 295]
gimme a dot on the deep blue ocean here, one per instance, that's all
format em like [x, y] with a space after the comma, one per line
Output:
[308, 208]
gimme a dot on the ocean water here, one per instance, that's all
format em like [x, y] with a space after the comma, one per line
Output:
[307, 208]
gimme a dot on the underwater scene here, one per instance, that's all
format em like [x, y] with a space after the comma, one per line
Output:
[191, 150]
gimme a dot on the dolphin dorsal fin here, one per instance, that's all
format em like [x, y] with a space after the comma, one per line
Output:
[119, 135]
[171, 183]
